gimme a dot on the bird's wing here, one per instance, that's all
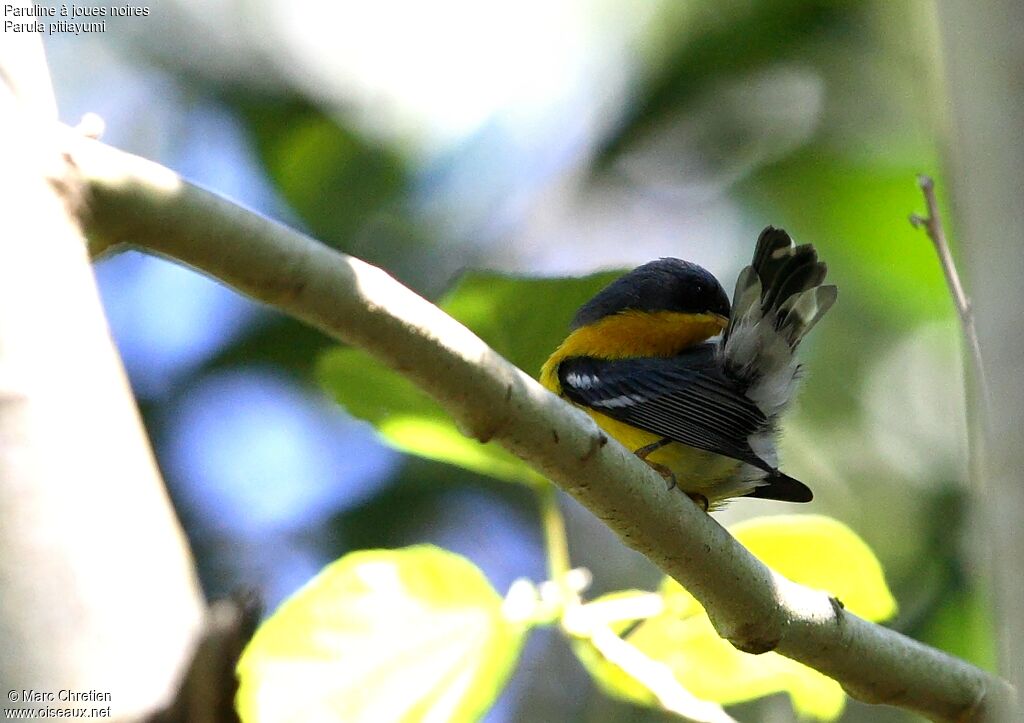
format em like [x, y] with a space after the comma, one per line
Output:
[686, 398]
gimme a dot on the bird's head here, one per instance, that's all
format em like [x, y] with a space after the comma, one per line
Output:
[665, 285]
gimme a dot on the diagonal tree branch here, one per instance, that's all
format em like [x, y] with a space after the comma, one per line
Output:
[133, 201]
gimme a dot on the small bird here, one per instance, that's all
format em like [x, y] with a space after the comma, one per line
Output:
[693, 388]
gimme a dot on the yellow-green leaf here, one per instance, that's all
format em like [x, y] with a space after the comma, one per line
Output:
[408, 635]
[816, 551]
[439, 440]
[822, 553]
[714, 670]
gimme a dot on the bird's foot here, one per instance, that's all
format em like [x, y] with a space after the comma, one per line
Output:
[670, 478]
[659, 468]
[664, 471]
[699, 499]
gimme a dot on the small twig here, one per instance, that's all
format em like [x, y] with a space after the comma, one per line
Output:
[555, 540]
[639, 606]
[932, 225]
[592, 621]
[207, 690]
[657, 678]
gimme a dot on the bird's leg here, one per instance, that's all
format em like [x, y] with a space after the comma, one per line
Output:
[665, 472]
[652, 447]
[659, 468]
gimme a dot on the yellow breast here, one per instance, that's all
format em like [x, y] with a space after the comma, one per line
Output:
[633, 334]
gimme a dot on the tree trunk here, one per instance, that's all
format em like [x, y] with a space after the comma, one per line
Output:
[984, 59]
[97, 585]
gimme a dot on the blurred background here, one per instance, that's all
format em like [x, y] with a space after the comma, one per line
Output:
[548, 139]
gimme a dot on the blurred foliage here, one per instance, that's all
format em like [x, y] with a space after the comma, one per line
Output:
[523, 319]
[400, 635]
[334, 179]
[962, 626]
[424, 492]
[349, 191]
[418, 633]
[726, 39]
[857, 214]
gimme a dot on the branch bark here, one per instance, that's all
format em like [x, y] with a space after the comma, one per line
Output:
[134, 201]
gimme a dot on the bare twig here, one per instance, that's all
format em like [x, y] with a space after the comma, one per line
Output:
[208, 688]
[932, 224]
[657, 678]
[556, 542]
[132, 200]
[592, 622]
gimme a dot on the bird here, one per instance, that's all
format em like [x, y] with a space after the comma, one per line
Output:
[692, 385]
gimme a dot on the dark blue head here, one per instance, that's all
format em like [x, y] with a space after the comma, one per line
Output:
[663, 285]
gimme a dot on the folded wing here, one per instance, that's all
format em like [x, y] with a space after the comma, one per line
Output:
[686, 398]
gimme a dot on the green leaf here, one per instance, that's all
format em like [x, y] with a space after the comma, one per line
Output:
[523, 319]
[306, 151]
[416, 634]
[714, 670]
[856, 214]
[962, 625]
[406, 418]
[439, 440]
[812, 550]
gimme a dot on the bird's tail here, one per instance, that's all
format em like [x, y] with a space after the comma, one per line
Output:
[778, 299]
